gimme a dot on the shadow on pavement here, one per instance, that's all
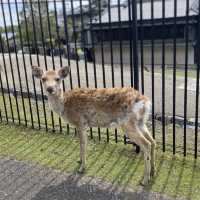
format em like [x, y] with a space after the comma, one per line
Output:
[76, 188]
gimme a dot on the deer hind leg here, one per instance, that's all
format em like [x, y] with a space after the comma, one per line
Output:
[83, 147]
[143, 128]
[136, 136]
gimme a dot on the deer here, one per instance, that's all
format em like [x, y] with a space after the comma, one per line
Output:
[124, 108]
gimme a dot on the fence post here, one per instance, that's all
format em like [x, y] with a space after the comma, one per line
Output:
[197, 83]
[135, 50]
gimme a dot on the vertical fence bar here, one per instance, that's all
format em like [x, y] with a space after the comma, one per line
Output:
[52, 56]
[1, 117]
[59, 46]
[163, 75]
[135, 44]
[197, 84]
[11, 64]
[4, 101]
[120, 42]
[17, 64]
[102, 50]
[38, 60]
[120, 47]
[29, 49]
[67, 40]
[67, 44]
[130, 40]
[111, 42]
[92, 43]
[45, 59]
[111, 52]
[135, 50]
[174, 77]
[186, 77]
[141, 46]
[101, 43]
[152, 65]
[24, 63]
[2, 90]
[58, 34]
[7, 82]
[75, 42]
[83, 44]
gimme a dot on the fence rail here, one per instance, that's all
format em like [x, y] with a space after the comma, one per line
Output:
[107, 44]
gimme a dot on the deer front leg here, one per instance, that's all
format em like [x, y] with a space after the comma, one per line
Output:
[83, 148]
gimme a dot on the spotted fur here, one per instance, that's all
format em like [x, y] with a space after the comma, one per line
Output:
[103, 107]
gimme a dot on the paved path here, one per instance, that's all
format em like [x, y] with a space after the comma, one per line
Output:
[108, 78]
[22, 181]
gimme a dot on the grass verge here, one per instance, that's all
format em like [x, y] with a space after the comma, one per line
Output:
[176, 176]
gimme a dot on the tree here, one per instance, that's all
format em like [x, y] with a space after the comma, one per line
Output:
[2, 45]
[82, 14]
[195, 6]
[97, 6]
[37, 21]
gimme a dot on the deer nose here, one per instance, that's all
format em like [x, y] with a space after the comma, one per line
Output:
[50, 90]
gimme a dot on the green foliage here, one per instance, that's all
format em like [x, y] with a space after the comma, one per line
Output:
[2, 45]
[39, 18]
[36, 20]
[98, 5]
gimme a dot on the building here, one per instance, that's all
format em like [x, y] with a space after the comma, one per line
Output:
[116, 28]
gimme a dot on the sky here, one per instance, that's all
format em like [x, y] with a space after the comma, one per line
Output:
[14, 13]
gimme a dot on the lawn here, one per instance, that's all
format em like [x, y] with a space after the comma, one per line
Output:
[116, 163]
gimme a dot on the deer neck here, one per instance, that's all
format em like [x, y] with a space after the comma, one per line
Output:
[56, 102]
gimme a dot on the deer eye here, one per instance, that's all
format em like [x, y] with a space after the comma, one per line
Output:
[44, 79]
[57, 79]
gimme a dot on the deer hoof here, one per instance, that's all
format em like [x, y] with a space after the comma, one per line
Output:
[145, 182]
[81, 170]
[79, 161]
[153, 172]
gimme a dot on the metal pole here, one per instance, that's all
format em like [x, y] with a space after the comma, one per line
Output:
[135, 46]
[135, 50]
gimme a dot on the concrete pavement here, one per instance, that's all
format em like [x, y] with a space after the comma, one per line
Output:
[23, 181]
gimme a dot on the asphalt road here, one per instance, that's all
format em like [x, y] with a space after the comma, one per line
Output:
[23, 181]
[80, 68]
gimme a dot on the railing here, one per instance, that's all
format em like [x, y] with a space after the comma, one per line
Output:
[106, 45]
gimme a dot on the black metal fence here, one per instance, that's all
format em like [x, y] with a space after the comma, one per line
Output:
[150, 45]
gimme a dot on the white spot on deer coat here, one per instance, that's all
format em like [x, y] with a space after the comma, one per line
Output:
[138, 106]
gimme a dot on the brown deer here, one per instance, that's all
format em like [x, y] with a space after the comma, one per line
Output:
[122, 108]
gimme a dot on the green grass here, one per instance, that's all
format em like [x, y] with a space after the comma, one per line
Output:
[116, 163]
[111, 162]
[158, 125]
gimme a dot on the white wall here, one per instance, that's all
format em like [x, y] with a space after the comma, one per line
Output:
[180, 54]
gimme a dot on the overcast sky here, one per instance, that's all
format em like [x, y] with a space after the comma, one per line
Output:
[51, 6]
[14, 13]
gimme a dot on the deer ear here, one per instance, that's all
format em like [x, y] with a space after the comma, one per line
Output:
[63, 72]
[37, 71]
